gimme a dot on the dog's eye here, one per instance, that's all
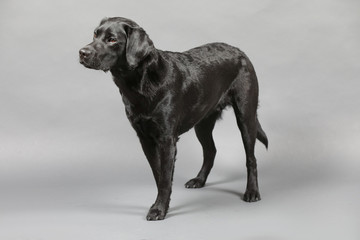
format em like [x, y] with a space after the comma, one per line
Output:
[112, 40]
[95, 35]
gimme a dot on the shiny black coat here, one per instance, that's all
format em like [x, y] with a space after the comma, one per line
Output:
[167, 93]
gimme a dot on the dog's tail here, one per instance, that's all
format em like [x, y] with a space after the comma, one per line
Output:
[261, 136]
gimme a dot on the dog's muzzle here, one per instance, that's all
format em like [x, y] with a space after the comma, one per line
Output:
[88, 59]
[85, 54]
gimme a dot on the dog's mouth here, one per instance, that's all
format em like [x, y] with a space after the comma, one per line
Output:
[92, 60]
[90, 63]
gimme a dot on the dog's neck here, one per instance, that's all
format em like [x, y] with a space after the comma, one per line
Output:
[142, 82]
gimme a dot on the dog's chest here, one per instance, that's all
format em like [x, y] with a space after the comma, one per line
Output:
[148, 118]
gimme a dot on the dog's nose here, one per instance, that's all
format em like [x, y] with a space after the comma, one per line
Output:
[84, 53]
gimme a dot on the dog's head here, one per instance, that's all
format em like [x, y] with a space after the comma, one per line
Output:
[116, 41]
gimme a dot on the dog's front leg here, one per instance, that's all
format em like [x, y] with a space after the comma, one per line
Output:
[166, 147]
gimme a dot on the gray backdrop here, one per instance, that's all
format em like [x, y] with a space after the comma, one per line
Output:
[71, 167]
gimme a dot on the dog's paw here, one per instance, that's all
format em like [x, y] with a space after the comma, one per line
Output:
[195, 183]
[155, 214]
[252, 196]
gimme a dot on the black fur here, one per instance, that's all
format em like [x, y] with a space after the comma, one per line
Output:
[167, 93]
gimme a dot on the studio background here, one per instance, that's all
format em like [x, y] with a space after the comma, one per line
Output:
[71, 166]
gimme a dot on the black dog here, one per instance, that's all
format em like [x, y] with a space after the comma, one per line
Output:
[167, 93]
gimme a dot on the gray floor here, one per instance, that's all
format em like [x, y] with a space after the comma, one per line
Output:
[72, 168]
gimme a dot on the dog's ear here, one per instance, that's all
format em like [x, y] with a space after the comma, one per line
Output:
[103, 21]
[138, 46]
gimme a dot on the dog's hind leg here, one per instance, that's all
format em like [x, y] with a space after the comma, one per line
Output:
[203, 132]
[245, 101]
[248, 133]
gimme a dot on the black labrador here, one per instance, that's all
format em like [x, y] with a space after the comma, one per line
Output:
[167, 93]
